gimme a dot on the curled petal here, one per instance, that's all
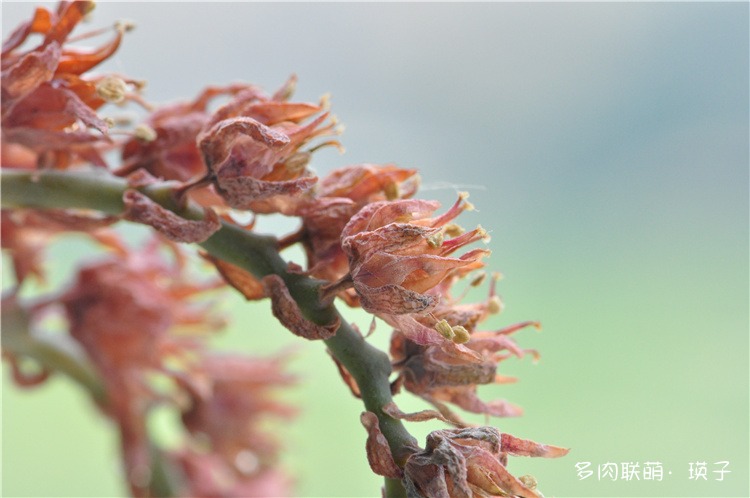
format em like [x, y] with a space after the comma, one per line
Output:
[393, 299]
[467, 399]
[29, 72]
[363, 181]
[286, 310]
[378, 452]
[240, 192]
[216, 143]
[140, 209]
[378, 214]
[242, 280]
[78, 62]
[349, 380]
[394, 411]
[51, 107]
[489, 475]
[526, 447]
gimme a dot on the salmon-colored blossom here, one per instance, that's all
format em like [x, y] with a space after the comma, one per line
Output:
[229, 417]
[471, 463]
[123, 312]
[48, 104]
[449, 372]
[397, 254]
[27, 232]
[208, 474]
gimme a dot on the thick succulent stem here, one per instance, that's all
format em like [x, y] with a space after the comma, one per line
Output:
[255, 253]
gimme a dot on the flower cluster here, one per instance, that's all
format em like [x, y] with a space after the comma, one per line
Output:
[366, 239]
[135, 320]
[49, 105]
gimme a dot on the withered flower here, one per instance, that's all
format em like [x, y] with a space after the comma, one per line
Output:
[230, 421]
[249, 161]
[125, 312]
[208, 474]
[170, 151]
[48, 105]
[450, 371]
[330, 205]
[471, 463]
[397, 255]
[27, 232]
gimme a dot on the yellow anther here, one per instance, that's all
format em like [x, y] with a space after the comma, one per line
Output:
[112, 89]
[453, 230]
[461, 335]
[298, 162]
[494, 305]
[145, 133]
[444, 329]
[529, 481]
[436, 240]
[325, 101]
[478, 279]
[391, 191]
[125, 25]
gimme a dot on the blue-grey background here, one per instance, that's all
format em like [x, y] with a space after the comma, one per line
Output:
[606, 147]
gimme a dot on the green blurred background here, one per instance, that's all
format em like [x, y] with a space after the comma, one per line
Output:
[606, 147]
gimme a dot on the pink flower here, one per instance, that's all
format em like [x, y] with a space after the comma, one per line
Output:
[230, 421]
[449, 371]
[124, 313]
[472, 463]
[48, 105]
[397, 255]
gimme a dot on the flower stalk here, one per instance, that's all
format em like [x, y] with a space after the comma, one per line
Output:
[255, 253]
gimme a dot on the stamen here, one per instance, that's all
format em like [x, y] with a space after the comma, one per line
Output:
[112, 89]
[145, 133]
[444, 329]
[461, 335]
[436, 240]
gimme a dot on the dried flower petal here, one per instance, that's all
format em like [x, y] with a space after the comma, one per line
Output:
[420, 416]
[378, 452]
[287, 311]
[242, 280]
[466, 463]
[140, 209]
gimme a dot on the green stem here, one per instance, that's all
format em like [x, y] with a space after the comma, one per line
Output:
[255, 253]
[53, 353]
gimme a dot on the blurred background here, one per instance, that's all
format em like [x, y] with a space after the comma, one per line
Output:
[606, 149]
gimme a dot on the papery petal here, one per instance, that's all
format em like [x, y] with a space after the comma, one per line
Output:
[287, 311]
[467, 399]
[413, 330]
[379, 214]
[485, 472]
[140, 209]
[363, 181]
[526, 447]
[378, 451]
[242, 280]
[240, 192]
[348, 378]
[217, 142]
[393, 299]
[394, 411]
[28, 73]
[53, 108]
[78, 62]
